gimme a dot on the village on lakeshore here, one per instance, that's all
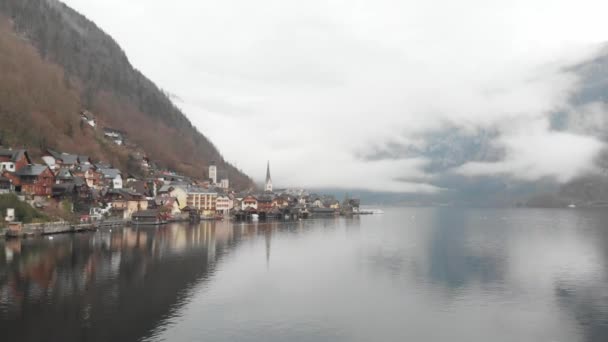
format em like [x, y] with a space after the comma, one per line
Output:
[75, 189]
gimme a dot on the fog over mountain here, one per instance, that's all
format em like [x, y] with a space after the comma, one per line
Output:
[421, 97]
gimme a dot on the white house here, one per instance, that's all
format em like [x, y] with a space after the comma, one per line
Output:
[88, 118]
[115, 135]
[7, 166]
[224, 183]
[223, 204]
[113, 176]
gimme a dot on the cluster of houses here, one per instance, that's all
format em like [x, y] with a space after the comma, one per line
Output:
[95, 190]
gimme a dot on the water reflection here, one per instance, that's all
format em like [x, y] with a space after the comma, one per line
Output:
[411, 274]
[96, 283]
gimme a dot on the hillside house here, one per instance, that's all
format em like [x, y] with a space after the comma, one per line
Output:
[88, 118]
[111, 178]
[35, 180]
[89, 174]
[116, 136]
[75, 191]
[12, 160]
[63, 176]
[55, 160]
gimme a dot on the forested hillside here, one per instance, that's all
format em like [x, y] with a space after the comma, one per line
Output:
[55, 63]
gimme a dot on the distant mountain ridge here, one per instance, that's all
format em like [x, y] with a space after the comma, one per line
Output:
[79, 67]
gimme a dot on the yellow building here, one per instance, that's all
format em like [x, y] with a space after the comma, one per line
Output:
[202, 200]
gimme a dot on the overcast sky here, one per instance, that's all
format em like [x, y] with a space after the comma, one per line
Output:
[316, 86]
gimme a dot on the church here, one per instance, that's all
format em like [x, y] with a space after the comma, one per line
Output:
[268, 184]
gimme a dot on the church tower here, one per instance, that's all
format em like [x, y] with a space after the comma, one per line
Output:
[268, 186]
[213, 173]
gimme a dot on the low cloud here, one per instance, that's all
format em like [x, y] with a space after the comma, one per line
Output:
[344, 94]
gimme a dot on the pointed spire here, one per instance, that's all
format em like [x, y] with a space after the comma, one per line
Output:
[268, 186]
[268, 171]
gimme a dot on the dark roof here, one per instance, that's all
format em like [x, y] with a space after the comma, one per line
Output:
[66, 158]
[84, 167]
[265, 198]
[138, 186]
[31, 170]
[79, 181]
[83, 159]
[69, 159]
[14, 155]
[64, 174]
[103, 166]
[60, 189]
[110, 173]
[126, 193]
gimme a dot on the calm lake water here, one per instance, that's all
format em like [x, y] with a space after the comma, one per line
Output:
[411, 274]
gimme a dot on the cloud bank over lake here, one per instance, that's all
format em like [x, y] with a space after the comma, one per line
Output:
[382, 95]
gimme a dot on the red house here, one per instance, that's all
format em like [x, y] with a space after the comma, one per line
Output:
[36, 180]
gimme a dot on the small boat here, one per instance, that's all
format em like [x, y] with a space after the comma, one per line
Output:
[255, 217]
[572, 205]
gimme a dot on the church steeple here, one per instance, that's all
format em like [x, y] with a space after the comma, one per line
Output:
[268, 186]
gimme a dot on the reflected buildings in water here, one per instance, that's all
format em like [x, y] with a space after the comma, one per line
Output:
[481, 275]
[87, 281]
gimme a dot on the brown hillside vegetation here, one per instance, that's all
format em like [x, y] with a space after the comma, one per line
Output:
[55, 63]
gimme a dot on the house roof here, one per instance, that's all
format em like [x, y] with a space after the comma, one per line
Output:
[112, 130]
[87, 115]
[31, 170]
[64, 174]
[69, 159]
[199, 190]
[103, 166]
[138, 186]
[83, 159]
[126, 193]
[59, 189]
[14, 155]
[84, 167]
[110, 173]
[79, 181]
[66, 158]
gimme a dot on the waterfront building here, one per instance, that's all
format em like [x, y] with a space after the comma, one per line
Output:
[203, 200]
[249, 202]
[223, 205]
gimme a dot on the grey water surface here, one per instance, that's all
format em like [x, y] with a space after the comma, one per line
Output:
[412, 274]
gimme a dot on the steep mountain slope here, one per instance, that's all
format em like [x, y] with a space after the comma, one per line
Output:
[58, 63]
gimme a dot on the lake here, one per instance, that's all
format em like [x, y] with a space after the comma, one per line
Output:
[412, 274]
